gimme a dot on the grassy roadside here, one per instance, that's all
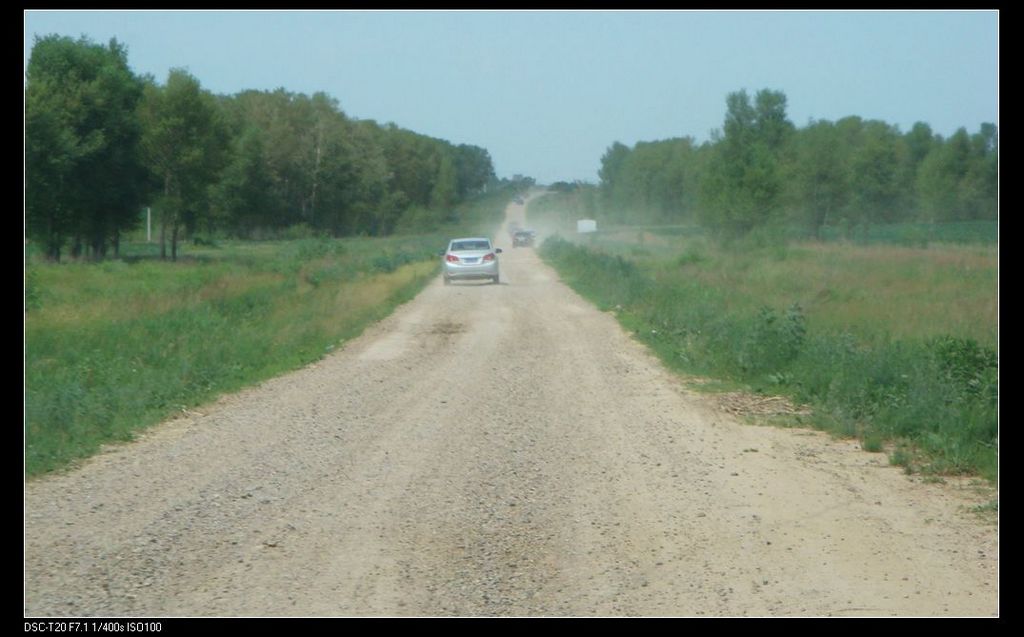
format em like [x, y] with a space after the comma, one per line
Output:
[893, 347]
[114, 347]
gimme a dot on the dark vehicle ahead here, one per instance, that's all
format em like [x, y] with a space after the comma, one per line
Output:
[523, 238]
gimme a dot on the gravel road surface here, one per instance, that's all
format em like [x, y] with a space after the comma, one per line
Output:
[497, 450]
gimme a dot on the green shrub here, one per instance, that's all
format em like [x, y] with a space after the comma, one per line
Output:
[772, 341]
[971, 367]
[872, 442]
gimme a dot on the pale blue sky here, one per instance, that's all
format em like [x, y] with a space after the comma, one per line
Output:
[546, 92]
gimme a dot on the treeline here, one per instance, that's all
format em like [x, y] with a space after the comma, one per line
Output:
[103, 143]
[760, 171]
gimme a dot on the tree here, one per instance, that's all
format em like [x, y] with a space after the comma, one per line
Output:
[942, 176]
[958, 180]
[874, 174]
[980, 187]
[473, 168]
[771, 126]
[184, 143]
[346, 176]
[445, 189]
[612, 163]
[100, 142]
[920, 141]
[275, 129]
[656, 180]
[245, 195]
[372, 208]
[84, 176]
[743, 185]
[917, 143]
[52, 150]
[819, 176]
[346, 173]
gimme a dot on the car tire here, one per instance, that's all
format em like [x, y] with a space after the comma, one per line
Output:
[494, 280]
[447, 281]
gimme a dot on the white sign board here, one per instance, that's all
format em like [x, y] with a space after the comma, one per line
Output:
[586, 225]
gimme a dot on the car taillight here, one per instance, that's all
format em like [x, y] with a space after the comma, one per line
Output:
[488, 257]
[451, 258]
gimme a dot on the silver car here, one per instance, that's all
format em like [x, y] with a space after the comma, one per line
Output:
[471, 258]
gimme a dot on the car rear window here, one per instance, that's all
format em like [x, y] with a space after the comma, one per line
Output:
[459, 246]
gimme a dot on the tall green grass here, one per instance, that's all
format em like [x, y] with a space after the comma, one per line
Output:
[116, 346]
[113, 347]
[876, 291]
[759, 317]
[917, 234]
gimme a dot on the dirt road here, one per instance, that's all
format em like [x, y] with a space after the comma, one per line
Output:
[496, 450]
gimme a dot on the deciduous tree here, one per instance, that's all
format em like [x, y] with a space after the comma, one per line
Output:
[184, 142]
[84, 176]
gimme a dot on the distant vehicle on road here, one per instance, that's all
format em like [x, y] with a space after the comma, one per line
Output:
[523, 238]
[470, 258]
[519, 200]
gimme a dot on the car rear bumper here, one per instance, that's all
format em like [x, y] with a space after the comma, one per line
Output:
[475, 271]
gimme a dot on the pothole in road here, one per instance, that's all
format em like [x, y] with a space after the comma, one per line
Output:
[447, 327]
